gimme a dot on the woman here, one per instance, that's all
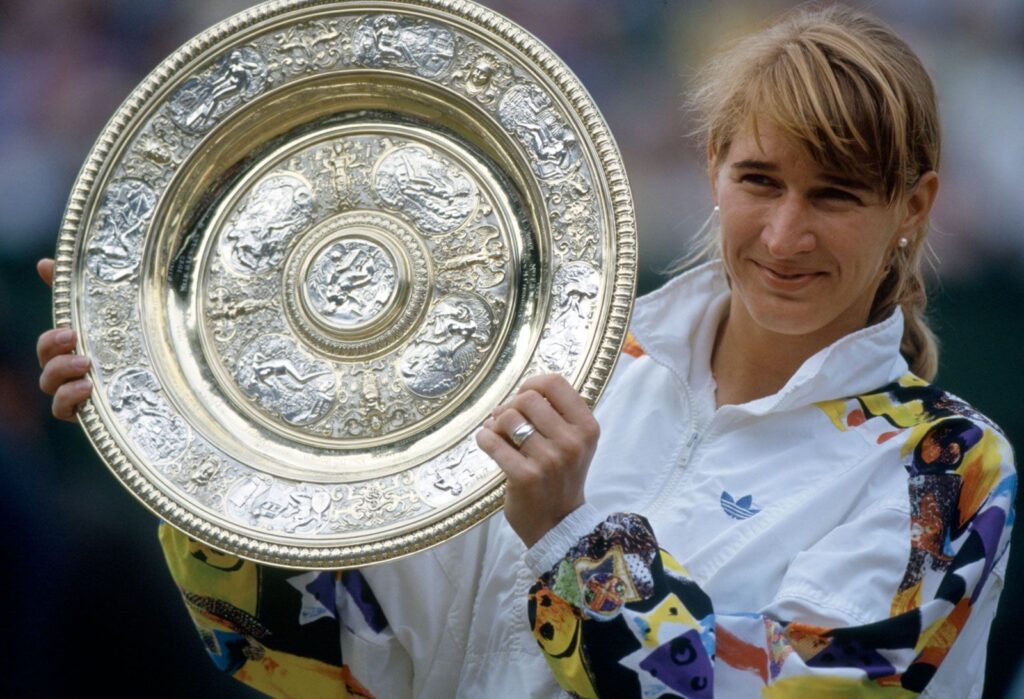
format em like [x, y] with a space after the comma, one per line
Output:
[838, 527]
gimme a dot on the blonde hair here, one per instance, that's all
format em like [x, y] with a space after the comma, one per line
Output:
[857, 98]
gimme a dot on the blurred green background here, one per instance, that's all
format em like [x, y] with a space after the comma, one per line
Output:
[89, 604]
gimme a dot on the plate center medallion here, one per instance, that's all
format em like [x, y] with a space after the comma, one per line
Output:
[356, 285]
[350, 283]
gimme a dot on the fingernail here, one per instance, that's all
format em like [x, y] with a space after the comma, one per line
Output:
[83, 384]
[489, 422]
[80, 363]
[65, 336]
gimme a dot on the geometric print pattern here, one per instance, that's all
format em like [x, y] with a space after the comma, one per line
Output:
[276, 630]
[667, 641]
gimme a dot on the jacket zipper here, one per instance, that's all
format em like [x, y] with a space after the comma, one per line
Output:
[678, 471]
[685, 458]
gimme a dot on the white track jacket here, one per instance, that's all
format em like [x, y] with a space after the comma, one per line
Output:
[846, 536]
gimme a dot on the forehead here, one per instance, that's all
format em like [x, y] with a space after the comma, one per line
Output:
[764, 140]
[762, 144]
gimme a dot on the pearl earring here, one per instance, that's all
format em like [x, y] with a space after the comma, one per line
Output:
[903, 242]
[717, 209]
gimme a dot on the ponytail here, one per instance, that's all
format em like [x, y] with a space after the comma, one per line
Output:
[904, 286]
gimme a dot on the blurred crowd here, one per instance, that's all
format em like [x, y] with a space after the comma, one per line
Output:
[90, 606]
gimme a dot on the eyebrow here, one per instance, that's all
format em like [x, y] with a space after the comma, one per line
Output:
[837, 180]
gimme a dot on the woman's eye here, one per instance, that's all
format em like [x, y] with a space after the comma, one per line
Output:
[840, 195]
[759, 180]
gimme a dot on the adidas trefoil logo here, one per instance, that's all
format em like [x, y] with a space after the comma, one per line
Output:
[738, 509]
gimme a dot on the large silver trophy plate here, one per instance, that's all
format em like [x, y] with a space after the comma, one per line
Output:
[316, 247]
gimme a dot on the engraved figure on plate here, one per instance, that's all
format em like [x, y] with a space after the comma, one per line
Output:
[479, 259]
[447, 476]
[157, 152]
[575, 290]
[376, 503]
[527, 111]
[484, 77]
[574, 226]
[432, 191]
[224, 311]
[456, 333]
[346, 165]
[114, 252]
[200, 103]
[375, 407]
[576, 285]
[257, 235]
[286, 382]
[156, 149]
[113, 318]
[388, 41]
[203, 475]
[350, 282]
[134, 396]
[309, 47]
[259, 500]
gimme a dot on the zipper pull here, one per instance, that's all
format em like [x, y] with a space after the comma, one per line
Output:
[684, 459]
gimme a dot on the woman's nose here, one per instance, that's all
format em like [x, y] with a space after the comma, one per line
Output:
[788, 231]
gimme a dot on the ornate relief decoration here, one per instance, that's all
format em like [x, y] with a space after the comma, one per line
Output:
[316, 247]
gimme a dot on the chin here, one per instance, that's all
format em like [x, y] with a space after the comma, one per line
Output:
[789, 318]
[813, 319]
[791, 327]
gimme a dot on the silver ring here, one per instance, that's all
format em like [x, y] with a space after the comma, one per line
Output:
[521, 433]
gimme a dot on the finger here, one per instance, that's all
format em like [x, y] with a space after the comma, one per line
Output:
[60, 370]
[69, 397]
[508, 421]
[536, 447]
[562, 396]
[45, 269]
[541, 414]
[54, 342]
[504, 454]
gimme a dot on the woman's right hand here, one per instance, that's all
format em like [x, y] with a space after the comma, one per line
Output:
[63, 375]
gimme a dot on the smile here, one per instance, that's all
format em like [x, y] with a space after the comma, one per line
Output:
[784, 279]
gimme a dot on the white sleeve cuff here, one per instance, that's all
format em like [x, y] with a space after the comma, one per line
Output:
[553, 546]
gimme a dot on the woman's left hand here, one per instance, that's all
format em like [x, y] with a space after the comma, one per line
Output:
[547, 472]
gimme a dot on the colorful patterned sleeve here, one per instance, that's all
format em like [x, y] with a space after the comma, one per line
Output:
[620, 617]
[275, 630]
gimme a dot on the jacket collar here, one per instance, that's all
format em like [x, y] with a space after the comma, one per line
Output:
[676, 326]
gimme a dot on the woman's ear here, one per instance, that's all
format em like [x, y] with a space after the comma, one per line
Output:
[919, 203]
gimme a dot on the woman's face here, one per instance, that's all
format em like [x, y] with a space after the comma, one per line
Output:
[805, 249]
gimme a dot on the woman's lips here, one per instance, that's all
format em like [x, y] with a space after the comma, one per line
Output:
[786, 279]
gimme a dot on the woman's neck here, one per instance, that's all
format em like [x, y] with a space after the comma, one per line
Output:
[751, 362]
